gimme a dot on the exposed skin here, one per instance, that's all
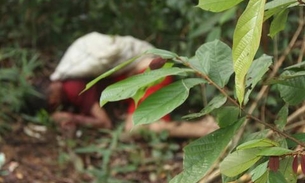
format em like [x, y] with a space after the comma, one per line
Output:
[99, 118]
[181, 129]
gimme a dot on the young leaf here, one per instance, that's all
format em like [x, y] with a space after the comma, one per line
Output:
[302, 162]
[239, 161]
[295, 164]
[292, 90]
[278, 23]
[164, 101]
[257, 70]
[257, 143]
[128, 88]
[215, 103]
[201, 154]
[282, 118]
[274, 163]
[217, 5]
[246, 41]
[215, 60]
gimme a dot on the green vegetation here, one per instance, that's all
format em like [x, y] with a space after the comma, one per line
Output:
[259, 111]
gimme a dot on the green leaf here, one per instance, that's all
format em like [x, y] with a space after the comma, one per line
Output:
[108, 73]
[201, 154]
[214, 35]
[278, 3]
[297, 66]
[276, 177]
[300, 136]
[263, 179]
[259, 171]
[226, 114]
[217, 5]
[278, 23]
[239, 161]
[274, 151]
[162, 53]
[257, 143]
[286, 169]
[128, 87]
[215, 103]
[282, 118]
[164, 101]
[257, 70]
[246, 41]
[214, 59]
[292, 90]
[206, 26]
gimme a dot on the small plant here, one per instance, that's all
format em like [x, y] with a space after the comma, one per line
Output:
[116, 156]
[17, 69]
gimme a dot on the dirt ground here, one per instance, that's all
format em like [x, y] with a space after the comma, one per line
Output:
[49, 158]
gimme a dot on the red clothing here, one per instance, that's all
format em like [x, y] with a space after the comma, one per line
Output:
[84, 102]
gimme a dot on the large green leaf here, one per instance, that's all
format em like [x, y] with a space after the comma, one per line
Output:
[246, 41]
[292, 90]
[257, 70]
[128, 88]
[164, 101]
[239, 161]
[217, 5]
[201, 154]
[215, 60]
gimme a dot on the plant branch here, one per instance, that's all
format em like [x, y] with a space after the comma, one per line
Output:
[277, 130]
[263, 90]
[296, 114]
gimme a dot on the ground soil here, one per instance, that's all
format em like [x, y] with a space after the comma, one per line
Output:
[50, 159]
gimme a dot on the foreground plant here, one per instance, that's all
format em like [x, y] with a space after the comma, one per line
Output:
[269, 157]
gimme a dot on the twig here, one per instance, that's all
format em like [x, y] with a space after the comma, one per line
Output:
[301, 2]
[278, 131]
[294, 125]
[302, 51]
[296, 114]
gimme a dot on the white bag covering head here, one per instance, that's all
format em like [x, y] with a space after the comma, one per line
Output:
[95, 53]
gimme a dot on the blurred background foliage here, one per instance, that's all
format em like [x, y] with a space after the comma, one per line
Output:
[35, 34]
[53, 24]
